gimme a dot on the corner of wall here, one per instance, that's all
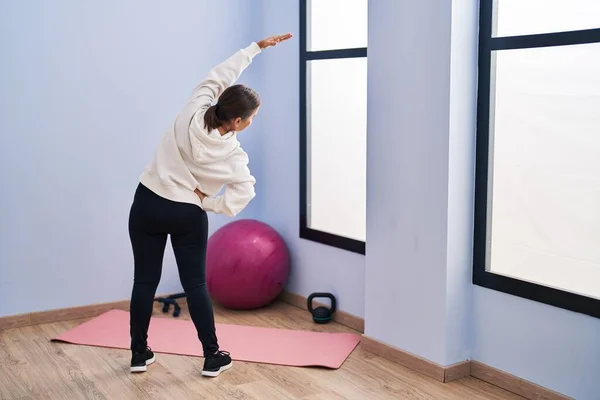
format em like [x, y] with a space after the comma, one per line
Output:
[462, 129]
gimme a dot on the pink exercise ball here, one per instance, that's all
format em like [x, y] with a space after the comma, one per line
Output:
[247, 265]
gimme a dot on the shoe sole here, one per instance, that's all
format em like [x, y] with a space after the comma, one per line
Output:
[214, 374]
[143, 368]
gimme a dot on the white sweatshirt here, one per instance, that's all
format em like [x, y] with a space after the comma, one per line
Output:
[189, 157]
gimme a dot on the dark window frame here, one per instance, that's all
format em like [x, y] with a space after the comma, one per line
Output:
[481, 276]
[341, 242]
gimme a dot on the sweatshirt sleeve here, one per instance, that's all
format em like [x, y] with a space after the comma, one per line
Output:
[238, 192]
[223, 75]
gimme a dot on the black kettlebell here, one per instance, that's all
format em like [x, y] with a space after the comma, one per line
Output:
[321, 314]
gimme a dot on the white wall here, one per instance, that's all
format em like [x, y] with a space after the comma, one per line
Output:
[315, 267]
[87, 91]
[461, 161]
[551, 347]
[407, 175]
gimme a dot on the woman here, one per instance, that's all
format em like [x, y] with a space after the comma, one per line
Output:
[198, 155]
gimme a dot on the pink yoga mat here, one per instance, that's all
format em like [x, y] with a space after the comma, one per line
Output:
[245, 343]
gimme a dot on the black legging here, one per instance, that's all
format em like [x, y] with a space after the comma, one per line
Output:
[151, 219]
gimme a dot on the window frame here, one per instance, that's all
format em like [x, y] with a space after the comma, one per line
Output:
[481, 276]
[326, 238]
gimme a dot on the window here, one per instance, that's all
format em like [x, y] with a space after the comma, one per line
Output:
[537, 187]
[333, 122]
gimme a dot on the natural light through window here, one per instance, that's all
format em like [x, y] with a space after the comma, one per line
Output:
[334, 113]
[337, 24]
[528, 17]
[338, 142]
[545, 150]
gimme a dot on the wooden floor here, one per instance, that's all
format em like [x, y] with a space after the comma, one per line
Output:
[32, 367]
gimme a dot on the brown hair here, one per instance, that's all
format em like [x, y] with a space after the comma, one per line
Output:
[235, 101]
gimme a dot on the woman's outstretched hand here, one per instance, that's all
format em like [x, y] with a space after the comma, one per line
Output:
[273, 40]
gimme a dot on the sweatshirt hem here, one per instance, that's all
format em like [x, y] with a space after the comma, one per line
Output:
[177, 194]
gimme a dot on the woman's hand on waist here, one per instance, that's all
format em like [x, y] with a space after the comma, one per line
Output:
[200, 194]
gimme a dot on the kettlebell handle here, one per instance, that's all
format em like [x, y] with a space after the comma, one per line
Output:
[321, 295]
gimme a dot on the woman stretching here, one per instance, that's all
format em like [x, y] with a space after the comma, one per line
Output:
[197, 156]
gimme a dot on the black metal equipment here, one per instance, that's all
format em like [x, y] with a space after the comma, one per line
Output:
[171, 300]
[321, 314]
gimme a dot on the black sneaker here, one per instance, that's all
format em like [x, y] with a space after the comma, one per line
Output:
[216, 363]
[140, 361]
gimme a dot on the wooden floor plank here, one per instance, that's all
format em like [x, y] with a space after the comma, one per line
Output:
[33, 367]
